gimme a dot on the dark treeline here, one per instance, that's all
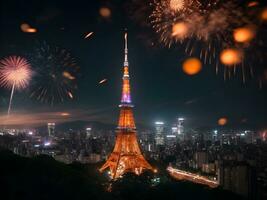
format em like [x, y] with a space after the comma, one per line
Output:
[43, 178]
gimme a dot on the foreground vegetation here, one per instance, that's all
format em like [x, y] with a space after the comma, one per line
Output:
[44, 178]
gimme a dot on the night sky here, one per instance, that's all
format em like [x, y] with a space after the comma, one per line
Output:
[160, 89]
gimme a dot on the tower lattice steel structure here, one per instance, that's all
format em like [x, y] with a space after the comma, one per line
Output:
[126, 155]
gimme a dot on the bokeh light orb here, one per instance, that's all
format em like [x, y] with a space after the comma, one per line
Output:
[253, 4]
[264, 14]
[231, 57]
[179, 30]
[192, 66]
[177, 5]
[105, 12]
[222, 121]
[244, 34]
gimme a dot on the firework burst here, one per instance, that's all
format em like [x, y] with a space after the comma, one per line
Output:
[15, 74]
[207, 27]
[204, 19]
[55, 78]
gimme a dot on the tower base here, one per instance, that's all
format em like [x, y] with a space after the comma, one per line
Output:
[126, 157]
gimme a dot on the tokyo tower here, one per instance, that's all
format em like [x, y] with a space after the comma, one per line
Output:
[126, 155]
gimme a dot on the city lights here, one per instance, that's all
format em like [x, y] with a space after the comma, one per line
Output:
[47, 144]
[159, 123]
[184, 175]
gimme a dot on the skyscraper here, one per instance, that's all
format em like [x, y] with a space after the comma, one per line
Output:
[51, 129]
[126, 155]
[88, 132]
[180, 129]
[159, 134]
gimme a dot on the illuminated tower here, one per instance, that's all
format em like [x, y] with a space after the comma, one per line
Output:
[126, 155]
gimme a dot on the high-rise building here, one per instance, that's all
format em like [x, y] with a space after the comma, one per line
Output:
[215, 136]
[51, 129]
[238, 177]
[200, 157]
[159, 134]
[88, 132]
[126, 155]
[180, 129]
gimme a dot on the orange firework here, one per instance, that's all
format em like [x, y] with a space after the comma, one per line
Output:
[15, 73]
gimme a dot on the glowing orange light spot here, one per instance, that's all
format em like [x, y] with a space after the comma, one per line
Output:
[264, 14]
[231, 56]
[64, 114]
[192, 66]
[68, 75]
[222, 121]
[179, 30]
[244, 34]
[105, 12]
[27, 28]
[253, 3]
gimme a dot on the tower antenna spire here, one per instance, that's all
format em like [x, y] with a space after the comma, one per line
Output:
[126, 63]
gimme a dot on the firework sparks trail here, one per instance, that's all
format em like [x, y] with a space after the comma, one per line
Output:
[102, 81]
[56, 74]
[10, 99]
[15, 74]
[88, 35]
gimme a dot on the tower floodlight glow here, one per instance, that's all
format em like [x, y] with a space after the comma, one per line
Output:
[126, 155]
